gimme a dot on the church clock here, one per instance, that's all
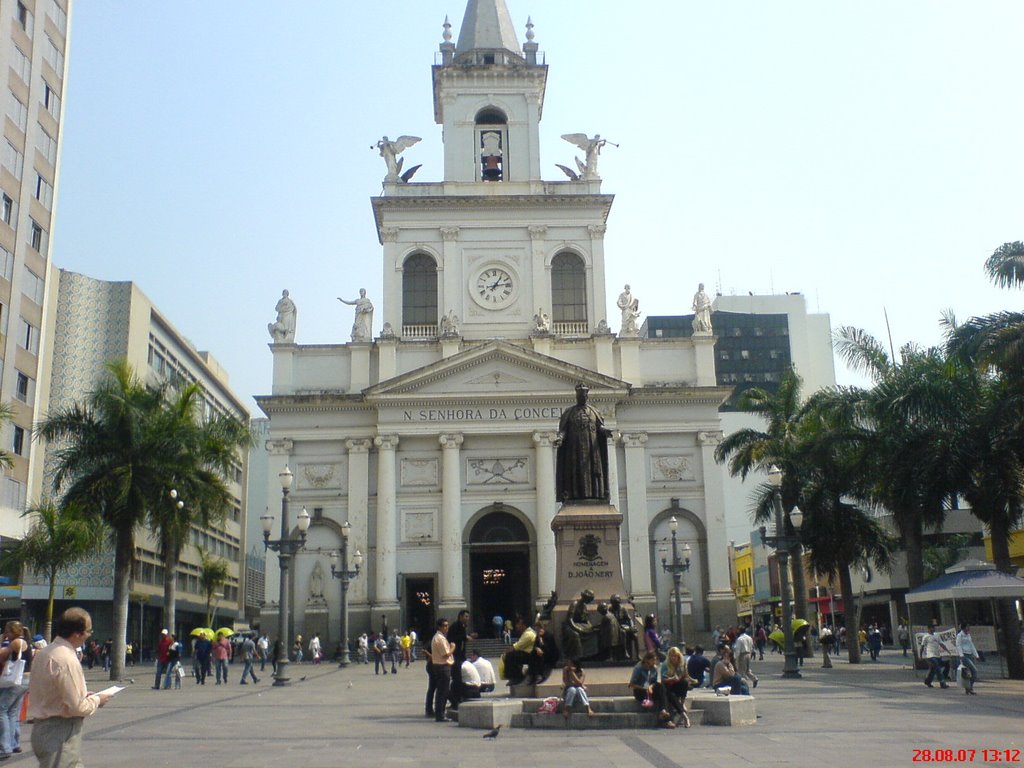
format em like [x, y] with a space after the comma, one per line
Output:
[494, 287]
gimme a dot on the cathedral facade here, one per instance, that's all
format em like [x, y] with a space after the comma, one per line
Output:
[435, 440]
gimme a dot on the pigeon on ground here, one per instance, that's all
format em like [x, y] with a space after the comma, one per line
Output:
[302, 678]
[349, 683]
[492, 734]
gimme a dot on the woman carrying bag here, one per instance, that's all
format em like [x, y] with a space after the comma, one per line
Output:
[16, 655]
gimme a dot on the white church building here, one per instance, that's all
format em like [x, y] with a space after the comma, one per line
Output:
[435, 440]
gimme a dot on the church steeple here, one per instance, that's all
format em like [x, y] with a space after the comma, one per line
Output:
[486, 29]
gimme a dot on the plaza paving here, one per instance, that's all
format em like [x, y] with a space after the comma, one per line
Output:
[874, 714]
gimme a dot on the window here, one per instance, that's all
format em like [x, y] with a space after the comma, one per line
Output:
[51, 100]
[744, 354]
[24, 388]
[44, 191]
[33, 286]
[21, 65]
[4, 315]
[29, 337]
[492, 143]
[14, 494]
[6, 264]
[25, 18]
[8, 210]
[59, 16]
[568, 289]
[13, 160]
[18, 112]
[53, 56]
[419, 290]
[18, 444]
[48, 146]
[37, 237]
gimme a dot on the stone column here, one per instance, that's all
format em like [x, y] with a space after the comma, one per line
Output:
[449, 280]
[545, 458]
[359, 374]
[636, 517]
[451, 523]
[613, 469]
[386, 559]
[358, 507]
[721, 598]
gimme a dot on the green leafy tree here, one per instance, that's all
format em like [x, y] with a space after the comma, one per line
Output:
[111, 459]
[748, 450]
[57, 539]
[213, 574]
[206, 451]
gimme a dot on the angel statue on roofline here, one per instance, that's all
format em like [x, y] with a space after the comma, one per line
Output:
[390, 151]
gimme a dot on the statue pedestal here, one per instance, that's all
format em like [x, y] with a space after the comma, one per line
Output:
[587, 554]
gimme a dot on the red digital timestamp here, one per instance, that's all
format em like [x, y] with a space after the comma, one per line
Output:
[966, 755]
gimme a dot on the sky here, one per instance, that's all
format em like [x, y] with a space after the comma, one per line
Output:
[866, 154]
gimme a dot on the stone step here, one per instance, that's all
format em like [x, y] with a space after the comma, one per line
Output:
[605, 721]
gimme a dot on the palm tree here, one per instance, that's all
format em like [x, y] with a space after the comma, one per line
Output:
[909, 417]
[839, 535]
[6, 415]
[110, 459]
[206, 452]
[56, 540]
[213, 573]
[748, 450]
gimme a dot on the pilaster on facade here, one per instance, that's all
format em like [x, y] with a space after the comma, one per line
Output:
[714, 505]
[358, 513]
[451, 521]
[636, 515]
[385, 586]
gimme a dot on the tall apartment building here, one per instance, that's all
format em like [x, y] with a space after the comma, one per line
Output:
[33, 44]
[96, 321]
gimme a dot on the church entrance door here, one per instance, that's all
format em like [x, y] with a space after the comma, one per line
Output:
[419, 601]
[500, 572]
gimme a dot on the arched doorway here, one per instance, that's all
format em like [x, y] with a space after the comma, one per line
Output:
[499, 570]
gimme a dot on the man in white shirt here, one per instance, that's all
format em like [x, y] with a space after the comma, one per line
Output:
[931, 652]
[967, 652]
[484, 669]
[743, 647]
[470, 680]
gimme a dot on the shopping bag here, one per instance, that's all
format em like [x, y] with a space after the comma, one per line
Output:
[14, 671]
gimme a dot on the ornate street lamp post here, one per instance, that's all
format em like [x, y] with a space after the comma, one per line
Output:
[346, 577]
[286, 547]
[677, 568]
[782, 542]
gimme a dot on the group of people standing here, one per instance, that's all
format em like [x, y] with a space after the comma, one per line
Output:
[454, 674]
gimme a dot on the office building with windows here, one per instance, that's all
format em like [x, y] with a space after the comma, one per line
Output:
[97, 321]
[33, 44]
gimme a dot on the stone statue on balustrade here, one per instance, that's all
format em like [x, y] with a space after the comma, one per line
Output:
[630, 307]
[450, 325]
[282, 331]
[579, 635]
[581, 468]
[362, 326]
[701, 312]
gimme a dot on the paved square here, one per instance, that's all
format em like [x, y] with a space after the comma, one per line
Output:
[875, 714]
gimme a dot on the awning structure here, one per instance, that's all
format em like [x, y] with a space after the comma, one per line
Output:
[969, 585]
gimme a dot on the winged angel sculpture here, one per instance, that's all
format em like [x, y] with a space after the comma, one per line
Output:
[390, 151]
[591, 149]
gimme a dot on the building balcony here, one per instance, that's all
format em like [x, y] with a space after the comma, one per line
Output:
[414, 332]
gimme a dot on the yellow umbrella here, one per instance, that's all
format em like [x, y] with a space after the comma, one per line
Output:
[204, 632]
[225, 632]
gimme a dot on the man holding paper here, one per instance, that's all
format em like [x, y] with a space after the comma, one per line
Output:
[58, 699]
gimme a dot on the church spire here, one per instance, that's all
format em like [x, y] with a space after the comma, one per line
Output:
[487, 26]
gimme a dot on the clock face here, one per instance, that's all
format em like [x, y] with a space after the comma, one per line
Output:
[494, 287]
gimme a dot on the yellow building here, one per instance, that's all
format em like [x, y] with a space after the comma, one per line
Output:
[743, 580]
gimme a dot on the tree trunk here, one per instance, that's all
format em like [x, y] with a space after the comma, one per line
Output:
[846, 587]
[48, 620]
[172, 553]
[124, 550]
[1005, 609]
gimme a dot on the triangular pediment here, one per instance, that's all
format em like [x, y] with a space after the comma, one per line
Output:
[491, 369]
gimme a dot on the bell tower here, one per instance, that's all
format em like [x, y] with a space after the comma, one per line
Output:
[489, 98]
[492, 250]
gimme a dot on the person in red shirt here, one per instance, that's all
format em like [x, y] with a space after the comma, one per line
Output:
[161, 657]
[221, 654]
